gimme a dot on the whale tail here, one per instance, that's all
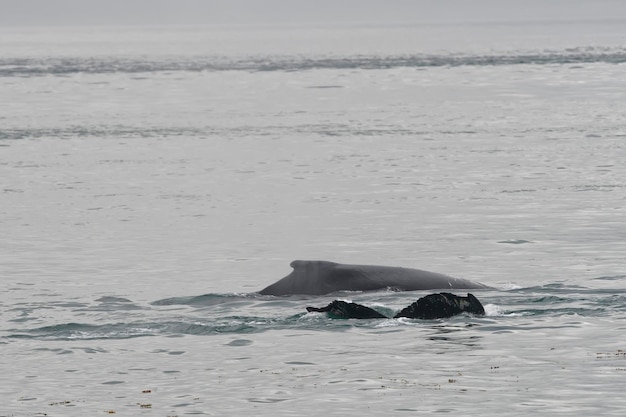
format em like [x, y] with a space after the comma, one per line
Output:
[432, 306]
[344, 310]
[437, 306]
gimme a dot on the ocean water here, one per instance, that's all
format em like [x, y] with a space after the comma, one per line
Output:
[152, 179]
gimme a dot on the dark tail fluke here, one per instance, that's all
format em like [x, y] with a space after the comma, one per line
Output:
[437, 306]
[343, 310]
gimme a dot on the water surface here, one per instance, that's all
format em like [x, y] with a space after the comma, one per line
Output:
[153, 180]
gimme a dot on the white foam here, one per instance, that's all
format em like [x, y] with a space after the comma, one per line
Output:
[493, 310]
[509, 286]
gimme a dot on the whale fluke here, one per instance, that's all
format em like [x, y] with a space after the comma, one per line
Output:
[344, 310]
[442, 305]
[432, 306]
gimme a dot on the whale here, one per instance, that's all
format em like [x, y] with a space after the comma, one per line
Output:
[324, 277]
[430, 307]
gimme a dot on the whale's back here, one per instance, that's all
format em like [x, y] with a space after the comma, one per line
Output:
[324, 277]
[307, 277]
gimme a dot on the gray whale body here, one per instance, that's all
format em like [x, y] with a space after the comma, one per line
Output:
[323, 277]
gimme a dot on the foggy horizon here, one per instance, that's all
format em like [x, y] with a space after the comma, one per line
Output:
[199, 12]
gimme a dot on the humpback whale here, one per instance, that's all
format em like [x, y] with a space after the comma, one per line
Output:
[432, 306]
[323, 277]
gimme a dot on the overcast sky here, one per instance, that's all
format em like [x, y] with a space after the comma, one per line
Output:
[155, 12]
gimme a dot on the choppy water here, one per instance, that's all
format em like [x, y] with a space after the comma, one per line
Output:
[152, 180]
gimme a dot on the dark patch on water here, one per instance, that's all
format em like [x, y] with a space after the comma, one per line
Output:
[99, 131]
[267, 400]
[113, 300]
[325, 86]
[114, 304]
[611, 278]
[240, 342]
[515, 242]
[64, 66]
[204, 300]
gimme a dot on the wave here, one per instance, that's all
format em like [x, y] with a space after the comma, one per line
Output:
[181, 326]
[65, 66]
[204, 300]
[215, 314]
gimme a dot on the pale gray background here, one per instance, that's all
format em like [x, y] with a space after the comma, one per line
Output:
[90, 12]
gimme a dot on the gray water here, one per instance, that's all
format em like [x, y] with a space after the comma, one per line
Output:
[152, 179]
